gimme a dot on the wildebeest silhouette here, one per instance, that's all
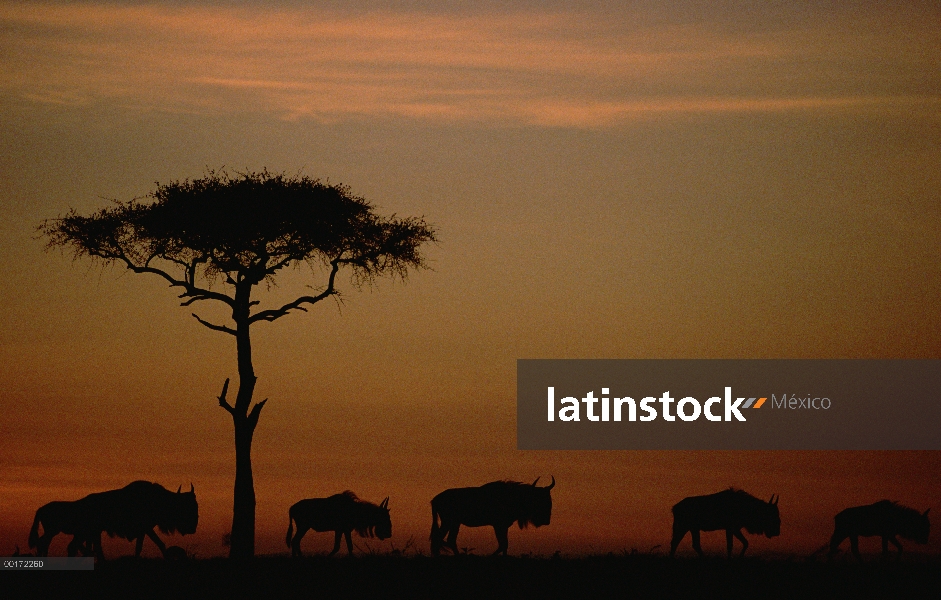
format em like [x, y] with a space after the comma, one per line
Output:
[884, 518]
[730, 510]
[342, 514]
[498, 504]
[131, 512]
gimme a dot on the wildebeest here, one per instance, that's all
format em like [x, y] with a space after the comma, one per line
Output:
[730, 510]
[342, 514]
[884, 518]
[498, 504]
[131, 512]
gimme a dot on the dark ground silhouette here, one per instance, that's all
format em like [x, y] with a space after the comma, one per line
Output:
[641, 576]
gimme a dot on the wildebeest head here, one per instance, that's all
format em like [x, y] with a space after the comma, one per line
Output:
[918, 527]
[383, 521]
[182, 514]
[772, 517]
[539, 505]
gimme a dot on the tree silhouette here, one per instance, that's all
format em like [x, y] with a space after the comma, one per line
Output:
[242, 230]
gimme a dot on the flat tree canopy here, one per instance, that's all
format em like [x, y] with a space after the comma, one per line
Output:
[245, 228]
[242, 230]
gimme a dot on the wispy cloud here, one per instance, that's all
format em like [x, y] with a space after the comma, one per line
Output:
[554, 69]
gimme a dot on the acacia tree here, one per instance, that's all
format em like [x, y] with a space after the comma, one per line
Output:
[241, 231]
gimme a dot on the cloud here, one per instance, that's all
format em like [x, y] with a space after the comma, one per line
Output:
[550, 69]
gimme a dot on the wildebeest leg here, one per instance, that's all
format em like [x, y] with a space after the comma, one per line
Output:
[139, 546]
[80, 544]
[437, 532]
[895, 542]
[835, 542]
[678, 534]
[42, 546]
[74, 545]
[96, 541]
[502, 539]
[742, 539]
[854, 546]
[451, 541]
[695, 535]
[296, 542]
[152, 535]
[885, 546]
[349, 542]
[336, 542]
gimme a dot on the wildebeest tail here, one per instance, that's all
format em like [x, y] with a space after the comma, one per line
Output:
[290, 529]
[34, 532]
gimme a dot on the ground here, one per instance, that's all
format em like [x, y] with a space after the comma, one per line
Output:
[481, 577]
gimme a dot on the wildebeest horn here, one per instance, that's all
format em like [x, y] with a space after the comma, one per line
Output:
[385, 503]
[925, 514]
[192, 489]
[535, 482]
[179, 488]
[551, 485]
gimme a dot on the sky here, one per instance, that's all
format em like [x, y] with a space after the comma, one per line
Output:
[607, 180]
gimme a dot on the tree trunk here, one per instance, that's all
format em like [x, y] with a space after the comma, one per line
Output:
[243, 510]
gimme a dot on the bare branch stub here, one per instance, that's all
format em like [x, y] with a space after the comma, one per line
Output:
[256, 412]
[222, 401]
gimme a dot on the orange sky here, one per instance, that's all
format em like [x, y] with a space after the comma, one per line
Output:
[730, 181]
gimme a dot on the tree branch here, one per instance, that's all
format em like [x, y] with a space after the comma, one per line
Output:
[276, 313]
[280, 264]
[191, 291]
[222, 401]
[215, 327]
[196, 298]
